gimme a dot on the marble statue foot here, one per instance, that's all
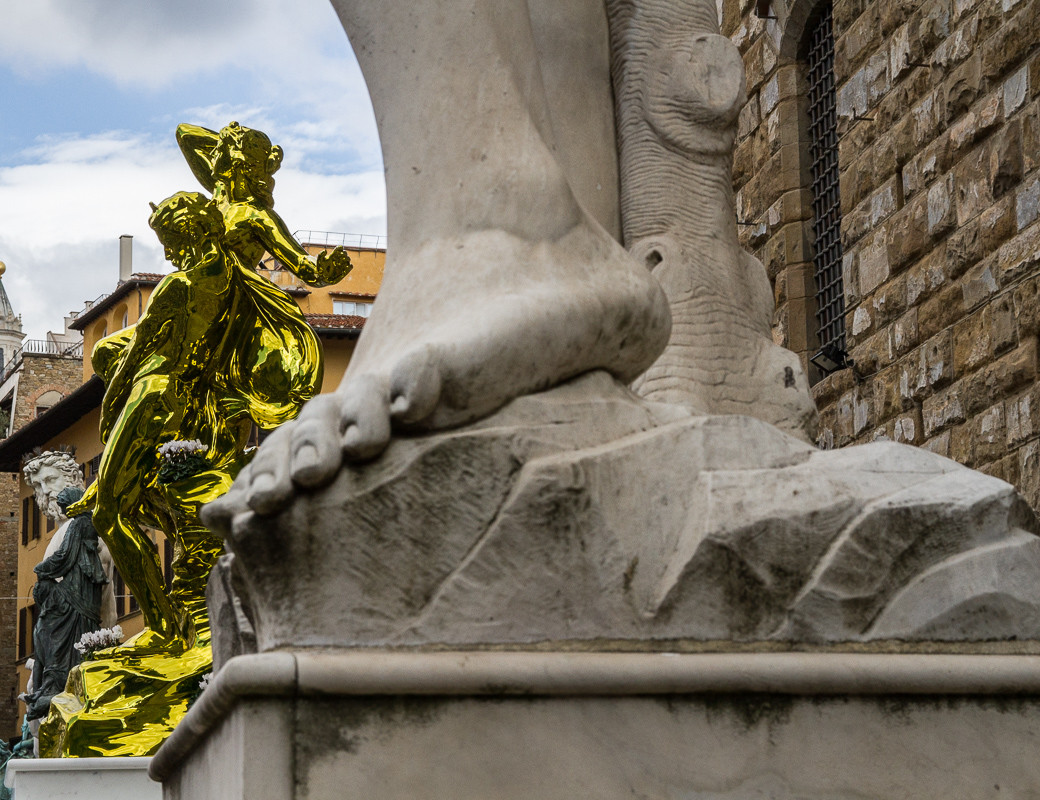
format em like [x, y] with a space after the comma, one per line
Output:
[498, 283]
[735, 371]
[438, 353]
[769, 385]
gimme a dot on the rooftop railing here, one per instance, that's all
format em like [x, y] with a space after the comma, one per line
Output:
[331, 239]
[42, 347]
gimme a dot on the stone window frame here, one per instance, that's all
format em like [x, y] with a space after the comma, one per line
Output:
[781, 101]
[45, 398]
[795, 24]
[826, 178]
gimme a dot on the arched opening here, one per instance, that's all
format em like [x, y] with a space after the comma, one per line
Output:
[46, 400]
[786, 171]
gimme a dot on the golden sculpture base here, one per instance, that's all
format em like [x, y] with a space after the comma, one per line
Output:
[125, 701]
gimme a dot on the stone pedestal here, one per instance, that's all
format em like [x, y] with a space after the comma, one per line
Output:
[548, 725]
[82, 779]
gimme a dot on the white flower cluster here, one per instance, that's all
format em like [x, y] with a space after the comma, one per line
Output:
[99, 640]
[177, 451]
[204, 681]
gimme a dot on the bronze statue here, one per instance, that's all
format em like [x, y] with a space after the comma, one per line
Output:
[68, 594]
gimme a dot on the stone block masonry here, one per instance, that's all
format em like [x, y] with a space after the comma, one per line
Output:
[8, 607]
[38, 375]
[938, 123]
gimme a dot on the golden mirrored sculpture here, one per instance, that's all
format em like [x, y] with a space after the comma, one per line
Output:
[218, 350]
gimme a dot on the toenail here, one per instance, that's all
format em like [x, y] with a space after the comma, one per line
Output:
[241, 522]
[263, 483]
[306, 456]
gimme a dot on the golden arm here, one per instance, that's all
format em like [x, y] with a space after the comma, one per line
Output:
[329, 267]
[197, 144]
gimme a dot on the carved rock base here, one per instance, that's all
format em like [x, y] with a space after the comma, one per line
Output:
[586, 513]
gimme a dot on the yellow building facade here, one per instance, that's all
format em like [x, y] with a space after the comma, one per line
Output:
[336, 313]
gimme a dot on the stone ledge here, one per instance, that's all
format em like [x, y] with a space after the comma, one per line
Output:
[85, 778]
[395, 673]
[78, 764]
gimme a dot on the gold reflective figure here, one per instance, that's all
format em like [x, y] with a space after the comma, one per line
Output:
[218, 349]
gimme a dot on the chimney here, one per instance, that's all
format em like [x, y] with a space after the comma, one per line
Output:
[126, 257]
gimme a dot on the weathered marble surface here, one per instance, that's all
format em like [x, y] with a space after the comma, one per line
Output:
[558, 237]
[229, 613]
[83, 779]
[678, 88]
[434, 726]
[587, 513]
[718, 748]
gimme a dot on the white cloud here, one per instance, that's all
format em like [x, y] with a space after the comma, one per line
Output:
[217, 116]
[290, 73]
[152, 44]
[292, 56]
[340, 203]
[74, 188]
[46, 281]
[63, 215]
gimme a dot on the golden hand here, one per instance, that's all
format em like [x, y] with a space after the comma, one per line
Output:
[334, 265]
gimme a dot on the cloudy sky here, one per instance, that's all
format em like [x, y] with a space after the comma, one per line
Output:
[91, 93]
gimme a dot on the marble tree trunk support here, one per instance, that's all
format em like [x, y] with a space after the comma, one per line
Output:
[679, 87]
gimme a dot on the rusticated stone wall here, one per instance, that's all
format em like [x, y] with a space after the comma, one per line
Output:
[41, 374]
[939, 141]
[38, 375]
[9, 530]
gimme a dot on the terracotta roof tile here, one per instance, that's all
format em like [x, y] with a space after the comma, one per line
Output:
[328, 321]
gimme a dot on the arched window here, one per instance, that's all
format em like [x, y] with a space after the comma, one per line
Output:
[46, 400]
[786, 171]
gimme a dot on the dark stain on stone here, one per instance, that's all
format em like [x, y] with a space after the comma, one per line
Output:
[630, 572]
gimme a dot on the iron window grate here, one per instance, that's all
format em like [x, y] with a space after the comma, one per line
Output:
[823, 149]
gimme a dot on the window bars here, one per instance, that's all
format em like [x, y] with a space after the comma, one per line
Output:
[823, 148]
